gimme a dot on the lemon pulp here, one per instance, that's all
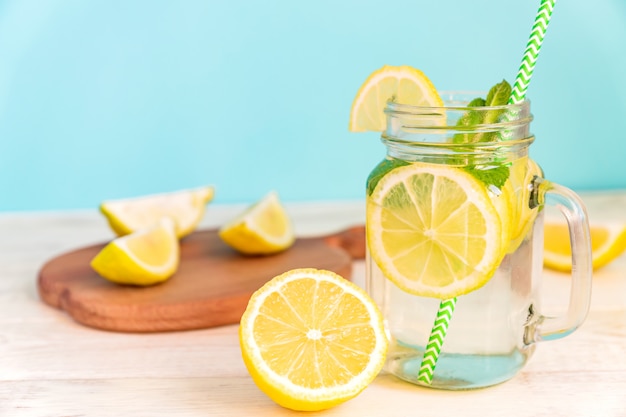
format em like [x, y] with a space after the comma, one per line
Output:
[311, 339]
[144, 257]
[261, 229]
[185, 207]
[434, 230]
[608, 241]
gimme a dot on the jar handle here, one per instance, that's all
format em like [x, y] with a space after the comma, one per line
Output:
[571, 206]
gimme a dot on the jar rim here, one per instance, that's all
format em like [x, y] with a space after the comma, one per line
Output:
[525, 141]
[453, 101]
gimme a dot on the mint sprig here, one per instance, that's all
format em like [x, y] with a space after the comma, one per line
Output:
[497, 96]
[469, 119]
[496, 172]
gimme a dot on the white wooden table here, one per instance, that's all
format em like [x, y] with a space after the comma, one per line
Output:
[52, 366]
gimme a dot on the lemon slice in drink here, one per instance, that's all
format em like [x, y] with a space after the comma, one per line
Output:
[403, 84]
[608, 241]
[144, 257]
[311, 339]
[433, 230]
[522, 173]
[504, 202]
[263, 228]
[185, 207]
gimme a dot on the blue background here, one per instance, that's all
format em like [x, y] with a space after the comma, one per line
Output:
[110, 99]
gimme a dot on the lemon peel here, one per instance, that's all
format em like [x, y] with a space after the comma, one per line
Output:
[261, 229]
[144, 257]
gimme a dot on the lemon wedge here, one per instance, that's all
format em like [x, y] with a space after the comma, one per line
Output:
[185, 207]
[433, 230]
[144, 257]
[403, 84]
[263, 228]
[608, 241]
[311, 339]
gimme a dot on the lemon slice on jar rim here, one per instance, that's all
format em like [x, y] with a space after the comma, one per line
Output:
[402, 84]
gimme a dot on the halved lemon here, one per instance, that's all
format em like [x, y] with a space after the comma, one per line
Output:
[185, 207]
[403, 84]
[608, 241]
[262, 228]
[311, 339]
[433, 230]
[144, 257]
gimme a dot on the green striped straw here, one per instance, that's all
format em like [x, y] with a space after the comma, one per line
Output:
[435, 341]
[446, 307]
[531, 54]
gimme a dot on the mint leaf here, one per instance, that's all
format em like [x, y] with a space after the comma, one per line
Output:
[496, 174]
[469, 119]
[499, 94]
[381, 170]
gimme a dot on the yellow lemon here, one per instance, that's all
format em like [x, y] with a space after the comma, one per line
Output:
[520, 179]
[608, 241]
[185, 207]
[144, 257]
[433, 230]
[261, 229]
[311, 339]
[504, 202]
[403, 84]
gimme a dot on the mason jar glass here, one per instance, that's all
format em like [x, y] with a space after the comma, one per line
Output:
[493, 329]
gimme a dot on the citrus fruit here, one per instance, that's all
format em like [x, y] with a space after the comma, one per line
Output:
[433, 230]
[144, 257]
[608, 241]
[504, 202]
[403, 84]
[520, 179]
[261, 229]
[311, 339]
[185, 207]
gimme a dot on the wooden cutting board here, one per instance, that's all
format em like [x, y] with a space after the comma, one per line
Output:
[211, 287]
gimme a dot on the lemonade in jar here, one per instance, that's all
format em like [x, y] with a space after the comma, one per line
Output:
[454, 231]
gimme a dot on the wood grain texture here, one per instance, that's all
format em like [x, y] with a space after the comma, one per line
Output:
[53, 366]
[211, 287]
[532, 394]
